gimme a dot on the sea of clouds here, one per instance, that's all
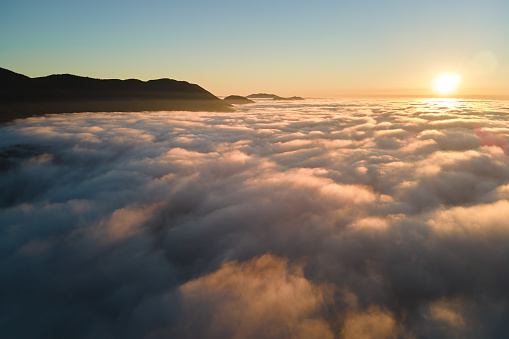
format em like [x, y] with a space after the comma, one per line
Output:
[316, 219]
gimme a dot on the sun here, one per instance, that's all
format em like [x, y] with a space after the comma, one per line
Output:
[446, 83]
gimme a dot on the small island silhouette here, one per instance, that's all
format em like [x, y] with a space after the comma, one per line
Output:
[22, 96]
[271, 96]
[237, 100]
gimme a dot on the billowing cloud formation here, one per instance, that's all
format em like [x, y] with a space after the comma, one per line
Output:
[260, 298]
[349, 219]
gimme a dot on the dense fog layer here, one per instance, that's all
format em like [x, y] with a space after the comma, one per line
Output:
[316, 219]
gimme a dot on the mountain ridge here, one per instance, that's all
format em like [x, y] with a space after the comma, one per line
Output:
[22, 96]
[272, 96]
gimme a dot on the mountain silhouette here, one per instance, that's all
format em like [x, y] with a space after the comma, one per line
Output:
[237, 100]
[21, 96]
[271, 96]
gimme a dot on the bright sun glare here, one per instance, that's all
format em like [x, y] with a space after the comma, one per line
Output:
[446, 83]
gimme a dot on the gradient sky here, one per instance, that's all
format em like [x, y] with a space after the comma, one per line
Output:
[320, 48]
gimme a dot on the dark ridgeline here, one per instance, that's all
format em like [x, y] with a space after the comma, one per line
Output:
[271, 96]
[21, 96]
[237, 100]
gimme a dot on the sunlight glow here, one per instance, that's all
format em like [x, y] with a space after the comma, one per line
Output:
[446, 83]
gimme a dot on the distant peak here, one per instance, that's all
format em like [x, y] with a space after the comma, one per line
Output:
[272, 96]
[5, 73]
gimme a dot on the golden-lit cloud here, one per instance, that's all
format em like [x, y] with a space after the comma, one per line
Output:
[263, 297]
[375, 323]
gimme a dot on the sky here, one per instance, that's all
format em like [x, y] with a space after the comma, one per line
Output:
[315, 49]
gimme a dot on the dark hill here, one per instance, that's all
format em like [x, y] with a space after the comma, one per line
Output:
[290, 98]
[271, 96]
[237, 100]
[12, 78]
[15, 87]
[22, 96]
[262, 96]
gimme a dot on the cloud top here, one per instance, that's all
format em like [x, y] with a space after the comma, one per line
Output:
[331, 219]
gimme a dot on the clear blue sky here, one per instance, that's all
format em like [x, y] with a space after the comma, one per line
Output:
[309, 48]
